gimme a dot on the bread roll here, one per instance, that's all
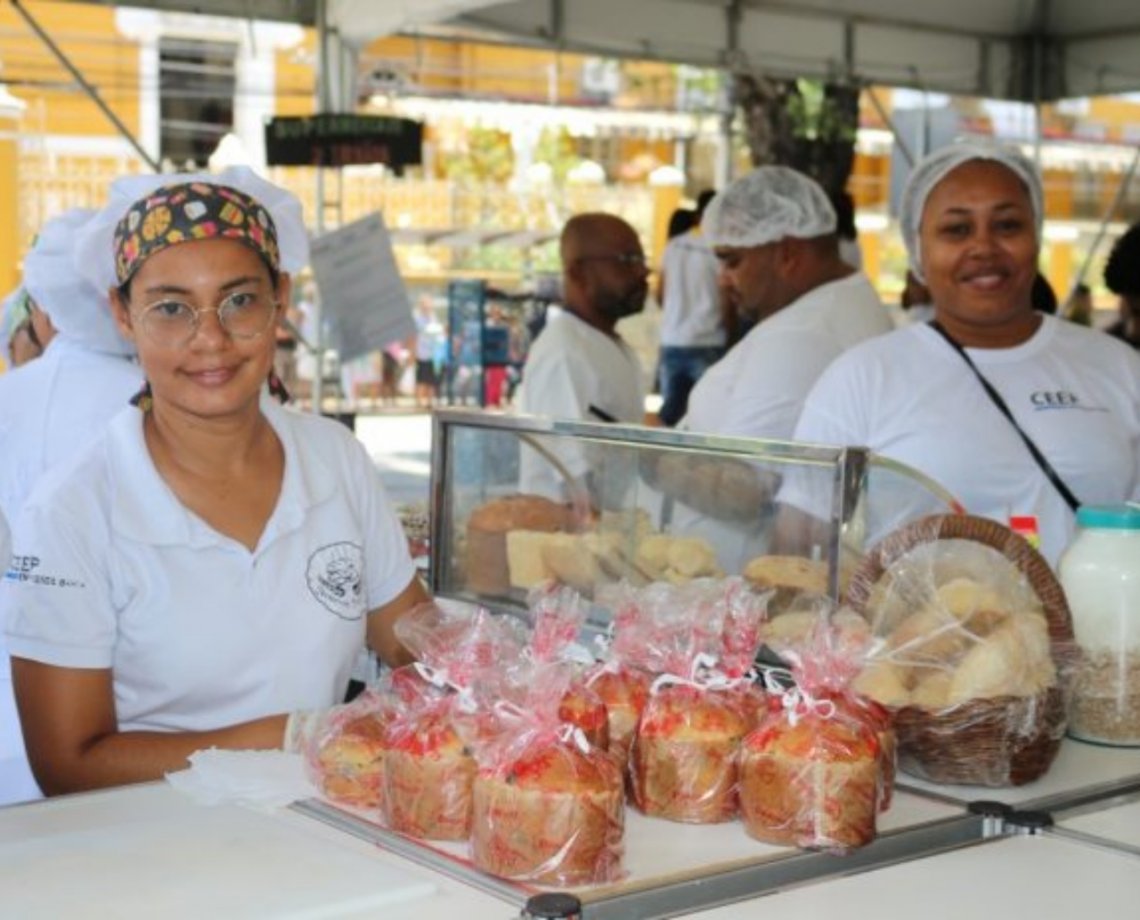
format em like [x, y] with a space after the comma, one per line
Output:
[1014, 660]
[932, 691]
[883, 682]
[932, 636]
[795, 580]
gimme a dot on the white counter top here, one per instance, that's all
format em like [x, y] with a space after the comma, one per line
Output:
[1042, 878]
[1119, 823]
[147, 851]
[1079, 767]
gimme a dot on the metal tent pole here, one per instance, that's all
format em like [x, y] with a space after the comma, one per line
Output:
[883, 114]
[1107, 219]
[317, 397]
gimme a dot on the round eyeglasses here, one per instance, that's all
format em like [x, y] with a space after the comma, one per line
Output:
[243, 315]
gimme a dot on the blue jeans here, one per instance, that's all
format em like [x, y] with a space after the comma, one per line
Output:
[681, 368]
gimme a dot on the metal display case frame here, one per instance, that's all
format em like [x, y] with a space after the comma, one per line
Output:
[850, 466]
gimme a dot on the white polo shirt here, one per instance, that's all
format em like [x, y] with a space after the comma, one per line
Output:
[572, 367]
[911, 397]
[759, 387]
[691, 308]
[110, 571]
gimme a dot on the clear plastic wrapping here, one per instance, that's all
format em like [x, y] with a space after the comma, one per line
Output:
[812, 774]
[973, 650]
[548, 806]
[430, 765]
[704, 638]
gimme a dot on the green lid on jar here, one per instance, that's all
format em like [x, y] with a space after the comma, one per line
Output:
[1109, 517]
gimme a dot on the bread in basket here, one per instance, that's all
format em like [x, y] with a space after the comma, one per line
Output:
[975, 648]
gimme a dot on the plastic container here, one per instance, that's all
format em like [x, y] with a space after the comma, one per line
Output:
[1100, 572]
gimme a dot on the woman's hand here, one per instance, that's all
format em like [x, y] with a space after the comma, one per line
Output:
[382, 622]
[73, 738]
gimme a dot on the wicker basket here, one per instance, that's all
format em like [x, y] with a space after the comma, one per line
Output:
[1000, 741]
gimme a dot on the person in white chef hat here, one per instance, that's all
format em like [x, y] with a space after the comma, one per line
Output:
[52, 407]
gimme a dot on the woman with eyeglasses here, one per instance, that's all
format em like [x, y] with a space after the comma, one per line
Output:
[215, 562]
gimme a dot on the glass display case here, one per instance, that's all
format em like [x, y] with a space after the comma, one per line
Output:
[517, 501]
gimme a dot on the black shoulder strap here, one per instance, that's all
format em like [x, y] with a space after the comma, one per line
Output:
[1046, 467]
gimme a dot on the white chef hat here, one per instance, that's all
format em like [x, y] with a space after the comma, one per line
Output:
[95, 250]
[936, 166]
[78, 310]
[766, 205]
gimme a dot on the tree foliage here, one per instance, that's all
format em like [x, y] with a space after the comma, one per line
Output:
[806, 124]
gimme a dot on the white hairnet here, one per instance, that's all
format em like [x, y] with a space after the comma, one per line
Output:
[78, 310]
[936, 166]
[95, 250]
[768, 204]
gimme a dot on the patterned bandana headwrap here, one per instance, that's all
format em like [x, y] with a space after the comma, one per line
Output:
[192, 211]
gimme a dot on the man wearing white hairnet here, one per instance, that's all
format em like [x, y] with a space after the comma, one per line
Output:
[51, 408]
[774, 232]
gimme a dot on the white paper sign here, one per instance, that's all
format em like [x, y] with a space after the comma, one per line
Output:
[364, 304]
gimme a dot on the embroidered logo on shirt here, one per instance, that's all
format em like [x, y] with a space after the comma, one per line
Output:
[335, 578]
[1044, 400]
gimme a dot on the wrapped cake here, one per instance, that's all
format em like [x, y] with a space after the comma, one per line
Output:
[549, 809]
[703, 640]
[430, 766]
[428, 773]
[345, 757]
[683, 765]
[348, 762]
[811, 781]
[624, 691]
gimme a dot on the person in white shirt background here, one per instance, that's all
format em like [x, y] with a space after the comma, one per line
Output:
[773, 231]
[693, 333]
[579, 367]
[971, 219]
[214, 562]
[56, 404]
[52, 407]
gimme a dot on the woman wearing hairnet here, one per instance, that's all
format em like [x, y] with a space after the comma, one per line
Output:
[928, 395]
[214, 562]
[52, 407]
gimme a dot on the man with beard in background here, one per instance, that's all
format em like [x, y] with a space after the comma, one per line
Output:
[578, 367]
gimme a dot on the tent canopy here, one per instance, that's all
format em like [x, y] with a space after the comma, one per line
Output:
[1016, 49]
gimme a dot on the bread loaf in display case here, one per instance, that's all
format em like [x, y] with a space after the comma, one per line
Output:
[486, 564]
